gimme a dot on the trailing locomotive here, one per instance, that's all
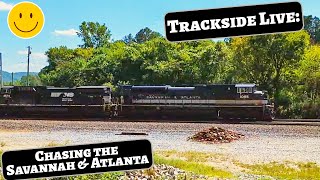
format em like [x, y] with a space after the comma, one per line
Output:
[238, 101]
[22, 101]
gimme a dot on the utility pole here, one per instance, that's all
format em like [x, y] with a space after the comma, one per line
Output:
[12, 83]
[29, 52]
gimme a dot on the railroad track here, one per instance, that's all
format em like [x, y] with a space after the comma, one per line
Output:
[307, 122]
[301, 122]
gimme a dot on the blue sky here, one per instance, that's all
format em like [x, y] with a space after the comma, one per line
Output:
[121, 17]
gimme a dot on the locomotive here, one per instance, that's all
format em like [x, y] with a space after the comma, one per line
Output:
[233, 101]
[41, 100]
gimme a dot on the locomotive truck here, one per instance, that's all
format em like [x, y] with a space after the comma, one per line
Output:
[232, 101]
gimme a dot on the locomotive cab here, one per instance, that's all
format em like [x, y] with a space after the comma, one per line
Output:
[5, 96]
[245, 90]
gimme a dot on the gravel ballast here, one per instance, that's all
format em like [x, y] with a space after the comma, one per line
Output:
[162, 171]
[216, 135]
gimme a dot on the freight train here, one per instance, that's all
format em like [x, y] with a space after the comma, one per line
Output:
[232, 101]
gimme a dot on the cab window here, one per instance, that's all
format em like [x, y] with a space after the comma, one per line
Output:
[244, 90]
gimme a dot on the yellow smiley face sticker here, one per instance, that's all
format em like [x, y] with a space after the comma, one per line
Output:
[26, 20]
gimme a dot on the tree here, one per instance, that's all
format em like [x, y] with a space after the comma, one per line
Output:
[58, 59]
[33, 81]
[94, 35]
[312, 25]
[129, 39]
[269, 60]
[212, 61]
[309, 72]
[304, 97]
[146, 34]
[56, 56]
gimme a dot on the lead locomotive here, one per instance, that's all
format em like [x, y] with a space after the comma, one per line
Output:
[239, 101]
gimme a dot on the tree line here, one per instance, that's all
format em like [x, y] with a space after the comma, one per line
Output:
[286, 65]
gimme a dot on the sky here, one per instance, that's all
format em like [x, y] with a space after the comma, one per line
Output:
[122, 17]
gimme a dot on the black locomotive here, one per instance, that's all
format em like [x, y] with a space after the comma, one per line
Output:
[239, 101]
[22, 101]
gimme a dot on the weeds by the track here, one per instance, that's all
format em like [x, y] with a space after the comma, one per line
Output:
[286, 170]
[2, 144]
[56, 144]
[277, 170]
[1, 152]
[193, 166]
[1, 177]
[191, 155]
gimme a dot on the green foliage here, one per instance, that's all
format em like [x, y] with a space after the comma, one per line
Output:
[195, 167]
[269, 60]
[283, 64]
[309, 72]
[142, 36]
[94, 35]
[1, 152]
[155, 61]
[288, 170]
[302, 99]
[264, 59]
[312, 25]
[33, 80]
[145, 35]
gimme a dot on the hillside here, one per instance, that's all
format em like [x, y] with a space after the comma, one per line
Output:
[16, 76]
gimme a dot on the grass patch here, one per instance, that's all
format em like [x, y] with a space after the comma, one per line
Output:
[1, 177]
[195, 167]
[3, 144]
[55, 144]
[1, 152]
[288, 170]
[190, 156]
[52, 144]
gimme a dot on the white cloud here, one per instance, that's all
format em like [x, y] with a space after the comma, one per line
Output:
[34, 55]
[22, 67]
[69, 32]
[5, 6]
